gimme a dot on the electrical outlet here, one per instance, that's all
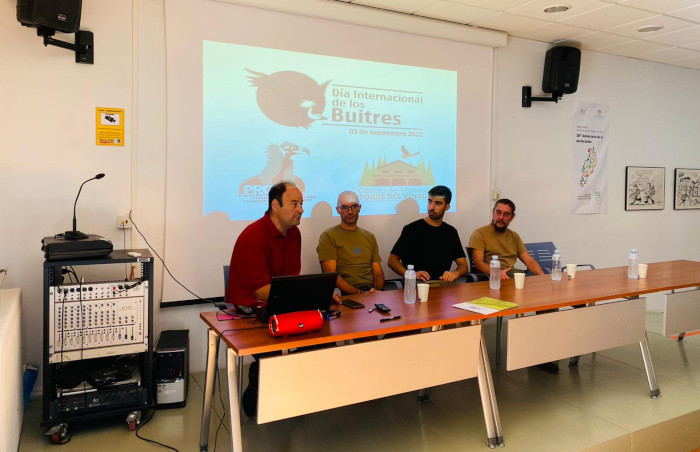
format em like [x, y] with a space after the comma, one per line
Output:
[495, 193]
[123, 222]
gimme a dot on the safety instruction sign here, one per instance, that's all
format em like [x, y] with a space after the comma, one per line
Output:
[109, 126]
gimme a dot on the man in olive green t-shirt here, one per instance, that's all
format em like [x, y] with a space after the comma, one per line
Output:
[351, 250]
[497, 239]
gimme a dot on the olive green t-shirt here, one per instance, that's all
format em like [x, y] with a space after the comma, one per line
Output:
[506, 245]
[353, 251]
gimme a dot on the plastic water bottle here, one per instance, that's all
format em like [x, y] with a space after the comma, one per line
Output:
[409, 286]
[633, 261]
[495, 278]
[556, 266]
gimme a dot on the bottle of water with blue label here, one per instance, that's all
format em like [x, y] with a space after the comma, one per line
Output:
[409, 286]
[556, 266]
[495, 278]
[632, 265]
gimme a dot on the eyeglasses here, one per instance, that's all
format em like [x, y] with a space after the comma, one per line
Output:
[352, 207]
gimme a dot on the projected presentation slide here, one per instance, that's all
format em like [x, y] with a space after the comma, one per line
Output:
[385, 131]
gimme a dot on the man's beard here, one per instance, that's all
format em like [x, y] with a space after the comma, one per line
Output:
[499, 229]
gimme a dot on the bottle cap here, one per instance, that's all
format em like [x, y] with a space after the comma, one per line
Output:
[494, 257]
[410, 267]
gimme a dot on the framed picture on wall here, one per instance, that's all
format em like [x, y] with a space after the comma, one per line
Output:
[644, 188]
[686, 191]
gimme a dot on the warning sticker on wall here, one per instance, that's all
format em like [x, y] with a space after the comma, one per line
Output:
[109, 126]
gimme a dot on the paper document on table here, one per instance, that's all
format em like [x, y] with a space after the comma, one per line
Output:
[485, 305]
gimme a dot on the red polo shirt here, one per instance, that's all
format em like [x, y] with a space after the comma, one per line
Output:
[260, 253]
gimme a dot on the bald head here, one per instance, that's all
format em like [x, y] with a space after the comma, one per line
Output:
[349, 209]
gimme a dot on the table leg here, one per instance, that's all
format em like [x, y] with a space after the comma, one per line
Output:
[234, 406]
[651, 376]
[239, 366]
[212, 348]
[424, 394]
[488, 398]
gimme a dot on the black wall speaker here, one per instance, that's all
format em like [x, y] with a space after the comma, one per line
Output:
[61, 15]
[561, 68]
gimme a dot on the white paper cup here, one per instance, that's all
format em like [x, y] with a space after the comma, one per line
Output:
[519, 280]
[642, 270]
[423, 292]
[571, 270]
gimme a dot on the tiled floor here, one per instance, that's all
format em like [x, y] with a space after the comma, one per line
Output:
[602, 406]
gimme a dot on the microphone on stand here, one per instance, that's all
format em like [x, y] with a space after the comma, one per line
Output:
[75, 234]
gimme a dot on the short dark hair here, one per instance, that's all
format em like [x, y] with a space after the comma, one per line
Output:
[440, 191]
[276, 192]
[507, 202]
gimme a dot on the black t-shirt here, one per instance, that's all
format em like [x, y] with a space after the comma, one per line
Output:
[428, 248]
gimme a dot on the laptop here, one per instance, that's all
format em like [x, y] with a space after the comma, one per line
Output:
[299, 293]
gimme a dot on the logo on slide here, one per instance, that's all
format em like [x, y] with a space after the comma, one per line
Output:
[290, 98]
[280, 167]
[397, 173]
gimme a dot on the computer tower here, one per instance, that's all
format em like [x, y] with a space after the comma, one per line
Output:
[172, 368]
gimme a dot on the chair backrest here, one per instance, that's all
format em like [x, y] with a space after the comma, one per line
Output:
[473, 275]
[542, 253]
[226, 271]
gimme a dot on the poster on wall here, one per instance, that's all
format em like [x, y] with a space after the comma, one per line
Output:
[589, 148]
[686, 191]
[109, 126]
[644, 188]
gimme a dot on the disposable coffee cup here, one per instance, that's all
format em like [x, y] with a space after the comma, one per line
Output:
[642, 270]
[423, 292]
[519, 280]
[571, 270]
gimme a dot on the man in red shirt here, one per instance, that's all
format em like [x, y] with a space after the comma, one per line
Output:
[269, 247]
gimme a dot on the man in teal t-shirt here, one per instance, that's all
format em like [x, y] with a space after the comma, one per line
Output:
[351, 250]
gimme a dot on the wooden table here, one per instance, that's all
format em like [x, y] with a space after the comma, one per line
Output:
[594, 327]
[298, 383]
[531, 340]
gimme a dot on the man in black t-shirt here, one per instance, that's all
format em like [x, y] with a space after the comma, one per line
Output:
[430, 244]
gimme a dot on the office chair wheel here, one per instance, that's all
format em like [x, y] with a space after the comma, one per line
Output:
[133, 420]
[59, 434]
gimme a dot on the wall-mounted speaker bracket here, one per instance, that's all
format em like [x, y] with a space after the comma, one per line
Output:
[528, 99]
[84, 47]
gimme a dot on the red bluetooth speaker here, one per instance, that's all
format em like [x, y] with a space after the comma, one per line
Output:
[295, 323]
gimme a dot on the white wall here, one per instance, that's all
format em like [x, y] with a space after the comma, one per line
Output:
[653, 122]
[47, 114]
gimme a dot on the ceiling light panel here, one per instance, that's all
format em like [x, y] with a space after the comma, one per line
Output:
[535, 9]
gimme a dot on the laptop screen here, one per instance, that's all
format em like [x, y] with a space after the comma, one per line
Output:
[300, 293]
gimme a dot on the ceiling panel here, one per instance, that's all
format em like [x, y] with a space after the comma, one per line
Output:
[692, 14]
[635, 48]
[510, 23]
[455, 12]
[404, 6]
[658, 6]
[552, 32]
[679, 38]
[607, 17]
[670, 54]
[596, 40]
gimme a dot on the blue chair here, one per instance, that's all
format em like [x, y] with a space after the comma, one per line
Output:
[542, 253]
